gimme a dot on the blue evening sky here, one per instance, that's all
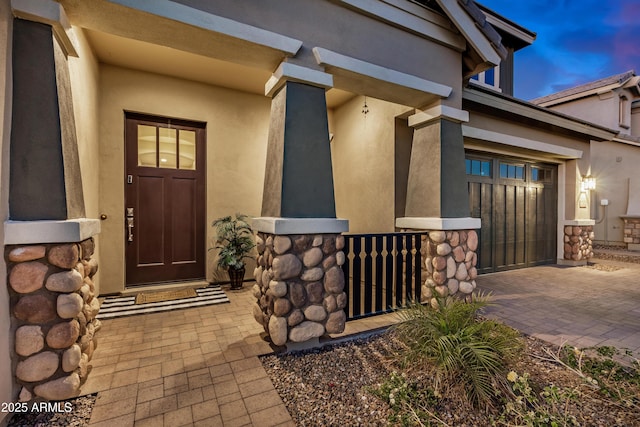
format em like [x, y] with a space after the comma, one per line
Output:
[578, 41]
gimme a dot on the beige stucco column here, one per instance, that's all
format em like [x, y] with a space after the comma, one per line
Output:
[438, 202]
[299, 280]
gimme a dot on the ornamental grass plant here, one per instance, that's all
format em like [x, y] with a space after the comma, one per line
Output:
[465, 351]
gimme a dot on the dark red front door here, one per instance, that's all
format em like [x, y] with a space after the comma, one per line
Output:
[165, 200]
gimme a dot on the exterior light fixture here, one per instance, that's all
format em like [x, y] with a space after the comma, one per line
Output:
[588, 183]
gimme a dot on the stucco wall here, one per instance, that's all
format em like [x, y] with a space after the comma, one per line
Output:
[635, 120]
[237, 128]
[6, 341]
[600, 109]
[612, 165]
[84, 75]
[362, 153]
[330, 25]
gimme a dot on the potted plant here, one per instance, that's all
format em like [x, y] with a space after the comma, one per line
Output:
[234, 240]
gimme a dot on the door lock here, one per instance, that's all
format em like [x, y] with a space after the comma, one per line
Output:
[130, 224]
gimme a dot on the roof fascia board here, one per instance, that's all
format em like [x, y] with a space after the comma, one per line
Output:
[573, 97]
[329, 58]
[471, 32]
[506, 27]
[626, 141]
[411, 17]
[200, 19]
[530, 111]
[516, 141]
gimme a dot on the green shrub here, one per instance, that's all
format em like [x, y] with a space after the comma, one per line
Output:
[463, 349]
[528, 408]
[408, 401]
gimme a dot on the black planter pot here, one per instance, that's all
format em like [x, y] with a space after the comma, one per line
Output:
[236, 275]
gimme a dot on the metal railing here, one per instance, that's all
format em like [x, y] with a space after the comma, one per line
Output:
[382, 272]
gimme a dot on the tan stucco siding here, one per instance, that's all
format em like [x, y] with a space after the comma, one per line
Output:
[6, 340]
[363, 164]
[496, 124]
[237, 128]
[84, 75]
[329, 25]
[635, 121]
[612, 165]
[599, 109]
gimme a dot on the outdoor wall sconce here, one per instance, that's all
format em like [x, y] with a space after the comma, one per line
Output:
[588, 183]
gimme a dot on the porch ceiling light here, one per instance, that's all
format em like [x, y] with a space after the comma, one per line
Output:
[588, 183]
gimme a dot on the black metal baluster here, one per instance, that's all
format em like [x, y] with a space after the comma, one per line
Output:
[368, 274]
[348, 282]
[388, 281]
[418, 268]
[408, 261]
[379, 284]
[399, 276]
[357, 277]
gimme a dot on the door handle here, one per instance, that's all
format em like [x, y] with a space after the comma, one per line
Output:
[130, 224]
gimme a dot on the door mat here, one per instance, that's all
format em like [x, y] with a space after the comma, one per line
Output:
[147, 297]
[113, 307]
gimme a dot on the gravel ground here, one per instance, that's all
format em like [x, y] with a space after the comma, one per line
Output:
[78, 416]
[328, 386]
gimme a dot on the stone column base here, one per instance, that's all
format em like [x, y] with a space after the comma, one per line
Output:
[449, 253]
[450, 261]
[299, 286]
[578, 242]
[632, 232]
[53, 310]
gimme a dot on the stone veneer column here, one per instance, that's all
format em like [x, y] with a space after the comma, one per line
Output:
[578, 236]
[438, 202]
[53, 305]
[450, 259]
[48, 245]
[300, 286]
[632, 232]
[299, 280]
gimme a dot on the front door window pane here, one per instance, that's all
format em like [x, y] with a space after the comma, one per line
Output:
[187, 150]
[167, 144]
[147, 146]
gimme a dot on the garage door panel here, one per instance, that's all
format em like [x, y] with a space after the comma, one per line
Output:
[499, 225]
[520, 226]
[481, 202]
[519, 214]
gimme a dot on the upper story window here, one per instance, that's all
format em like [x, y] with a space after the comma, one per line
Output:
[489, 78]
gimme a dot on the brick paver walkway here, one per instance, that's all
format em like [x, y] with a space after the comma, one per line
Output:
[197, 366]
[579, 305]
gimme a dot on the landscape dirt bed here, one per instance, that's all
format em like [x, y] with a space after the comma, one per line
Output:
[333, 386]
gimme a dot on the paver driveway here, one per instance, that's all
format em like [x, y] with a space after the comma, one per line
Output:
[581, 306]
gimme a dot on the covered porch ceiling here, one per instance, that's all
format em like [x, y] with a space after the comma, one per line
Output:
[139, 55]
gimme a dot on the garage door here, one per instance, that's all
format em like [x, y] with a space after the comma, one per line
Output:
[517, 202]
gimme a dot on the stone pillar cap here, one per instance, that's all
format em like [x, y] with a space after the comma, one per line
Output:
[422, 223]
[274, 225]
